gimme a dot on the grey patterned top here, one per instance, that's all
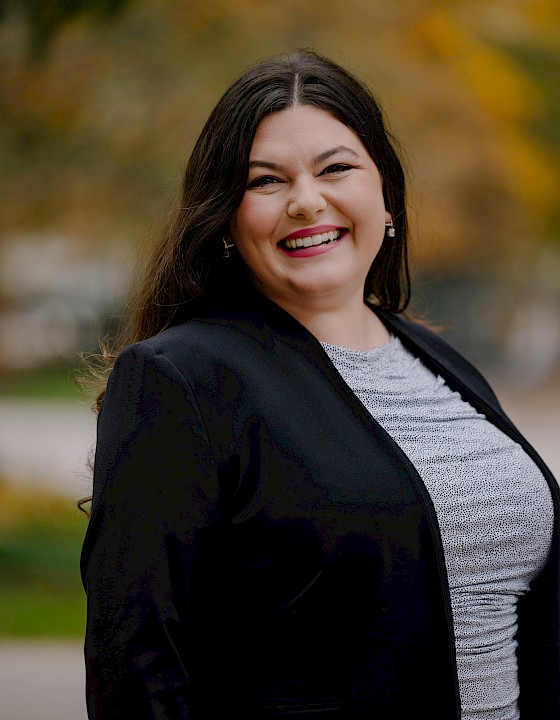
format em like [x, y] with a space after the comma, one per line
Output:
[492, 503]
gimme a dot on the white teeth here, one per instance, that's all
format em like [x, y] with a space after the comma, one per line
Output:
[313, 239]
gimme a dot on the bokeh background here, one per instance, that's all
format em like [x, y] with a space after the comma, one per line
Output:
[100, 102]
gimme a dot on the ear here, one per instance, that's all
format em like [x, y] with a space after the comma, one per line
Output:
[388, 217]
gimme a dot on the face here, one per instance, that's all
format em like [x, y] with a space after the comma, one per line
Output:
[312, 218]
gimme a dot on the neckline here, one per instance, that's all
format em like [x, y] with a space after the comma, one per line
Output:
[363, 354]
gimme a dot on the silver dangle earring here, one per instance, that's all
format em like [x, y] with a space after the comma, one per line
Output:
[227, 247]
[390, 229]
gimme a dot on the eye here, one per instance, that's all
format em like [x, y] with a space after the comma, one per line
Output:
[335, 169]
[262, 181]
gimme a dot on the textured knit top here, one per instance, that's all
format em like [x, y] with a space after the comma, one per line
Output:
[492, 503]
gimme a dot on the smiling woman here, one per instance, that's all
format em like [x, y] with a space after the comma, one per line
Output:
[312, 221]
[306, 505]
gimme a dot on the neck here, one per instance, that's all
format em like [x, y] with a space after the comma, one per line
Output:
[353, 326]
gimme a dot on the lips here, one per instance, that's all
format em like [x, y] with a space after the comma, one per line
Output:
[312, 237]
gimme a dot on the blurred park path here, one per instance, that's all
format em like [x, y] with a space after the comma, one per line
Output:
[42, 681]
[47, 443]
[536, 413]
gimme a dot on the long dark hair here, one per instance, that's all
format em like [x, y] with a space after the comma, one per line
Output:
[186, 271]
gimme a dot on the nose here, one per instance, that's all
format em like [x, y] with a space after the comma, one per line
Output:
[306, 200]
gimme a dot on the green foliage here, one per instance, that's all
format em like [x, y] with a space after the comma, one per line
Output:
[52, 382]
[33, 612]
[40, 542]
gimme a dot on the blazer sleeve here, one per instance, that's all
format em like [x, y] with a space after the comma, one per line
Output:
[155, 491]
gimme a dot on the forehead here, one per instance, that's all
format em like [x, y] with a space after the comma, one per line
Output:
[303, 129]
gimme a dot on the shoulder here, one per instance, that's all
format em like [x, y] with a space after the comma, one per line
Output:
[442, 357]
[431, 342]
[426, 342]
[197, 347]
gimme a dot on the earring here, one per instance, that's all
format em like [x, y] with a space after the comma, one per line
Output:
[227, 246]
[390, 229]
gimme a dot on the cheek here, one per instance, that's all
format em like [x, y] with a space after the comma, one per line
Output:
[371, 214]
[253, 220]
[251, 236]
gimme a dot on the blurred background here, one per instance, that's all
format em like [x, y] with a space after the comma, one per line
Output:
[100, 102]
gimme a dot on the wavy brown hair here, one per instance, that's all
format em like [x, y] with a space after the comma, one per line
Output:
[186, 271]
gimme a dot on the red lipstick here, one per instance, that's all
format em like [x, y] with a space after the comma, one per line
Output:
[286, 245]
[307, 232]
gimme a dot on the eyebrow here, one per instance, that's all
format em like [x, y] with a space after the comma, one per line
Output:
[317, 160]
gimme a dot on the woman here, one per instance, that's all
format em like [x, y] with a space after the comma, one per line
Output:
[305, 504]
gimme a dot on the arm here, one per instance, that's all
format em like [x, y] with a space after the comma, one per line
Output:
[154, 493]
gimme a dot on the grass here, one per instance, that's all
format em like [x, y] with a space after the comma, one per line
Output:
[52, 382]
[40, 541]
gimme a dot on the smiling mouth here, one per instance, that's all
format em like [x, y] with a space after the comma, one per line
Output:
[325, 238]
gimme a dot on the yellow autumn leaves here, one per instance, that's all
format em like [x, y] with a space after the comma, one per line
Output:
[97, 131]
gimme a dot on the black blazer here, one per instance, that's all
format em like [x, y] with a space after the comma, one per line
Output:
[259, 546]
